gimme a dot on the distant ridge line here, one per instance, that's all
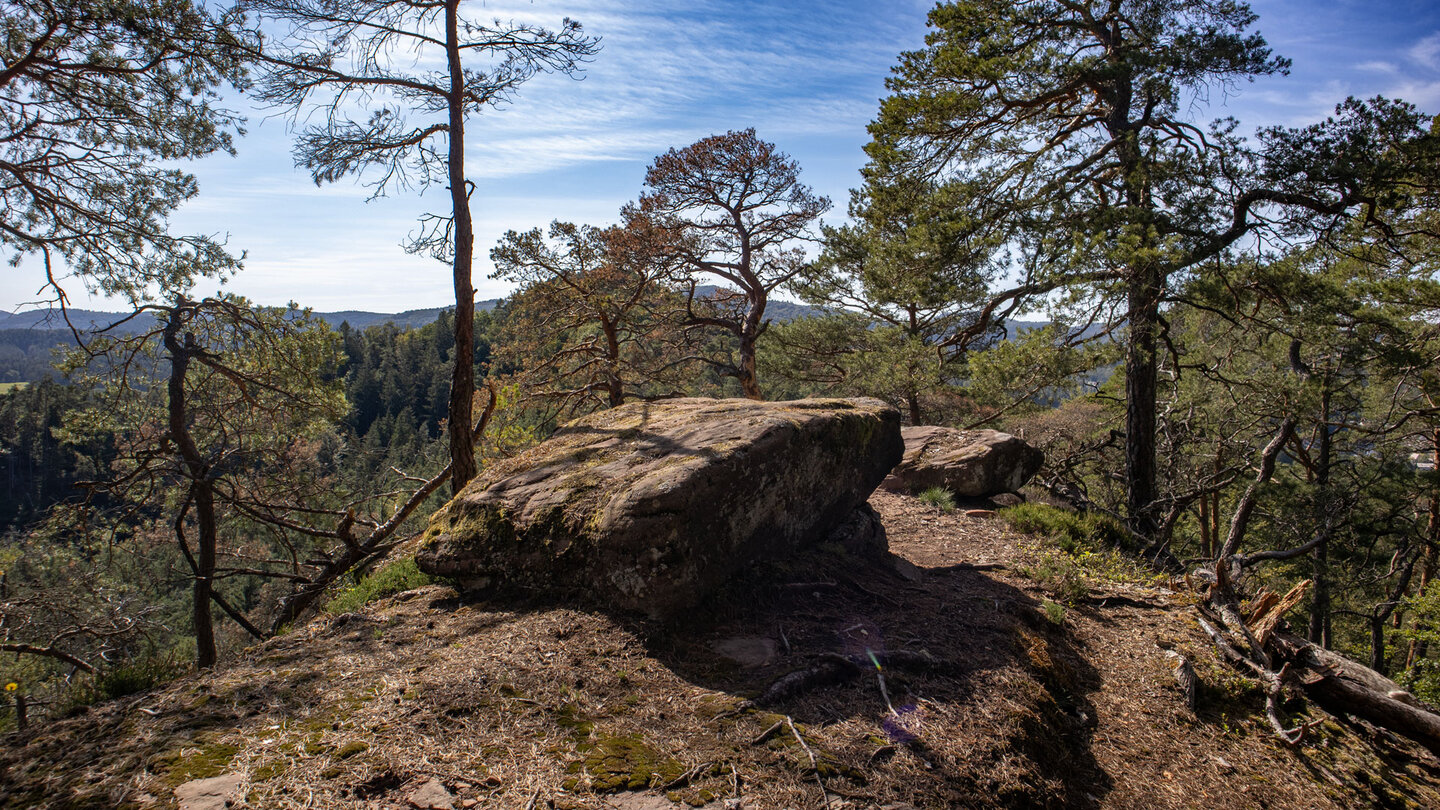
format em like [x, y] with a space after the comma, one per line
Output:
[90, 319]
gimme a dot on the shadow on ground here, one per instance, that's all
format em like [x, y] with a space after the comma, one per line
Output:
[1000, 717]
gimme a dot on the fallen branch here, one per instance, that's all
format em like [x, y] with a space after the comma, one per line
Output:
[1274, 684]
[814, 765]
[1185, 678]
[684, 779]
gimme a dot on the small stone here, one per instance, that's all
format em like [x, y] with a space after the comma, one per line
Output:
[215, 793]
[432, 795]
[748, 652]
[640, 801]
[908, 571]
[469, 803]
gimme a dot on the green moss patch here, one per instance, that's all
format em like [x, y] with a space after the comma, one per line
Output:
[626, 763]
[398, 577]
[182, 765]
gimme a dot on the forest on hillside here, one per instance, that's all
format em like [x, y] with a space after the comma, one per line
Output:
[1239, 363]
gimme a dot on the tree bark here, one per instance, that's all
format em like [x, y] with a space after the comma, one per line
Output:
[1140, 382]
[749, 335]
[202, 487]
[462, 380]
[614, 385]
[1319, 631]
[1342, 686]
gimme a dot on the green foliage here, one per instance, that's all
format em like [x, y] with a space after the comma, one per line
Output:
[899, 286]
[1423, 677]
[42, 467]
[938, 497]
[1035, 370]
[1073, 549]
[397, 577]
[96, 190]
[1059, 574]
[127, 678]
[398, 380]
[1054, 612]
[1072, 532]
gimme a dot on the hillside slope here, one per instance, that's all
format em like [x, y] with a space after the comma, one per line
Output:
[985, 697]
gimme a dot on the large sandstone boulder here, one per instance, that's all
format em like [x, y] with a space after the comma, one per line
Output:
[650, 506]
[970, 463]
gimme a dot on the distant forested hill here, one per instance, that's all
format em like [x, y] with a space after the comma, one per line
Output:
[26, 355]
[29, 340]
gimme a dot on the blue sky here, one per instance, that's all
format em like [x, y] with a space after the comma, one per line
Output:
[807, 75]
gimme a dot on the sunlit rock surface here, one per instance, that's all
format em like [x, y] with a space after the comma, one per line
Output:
[651, 506]
[970, 463]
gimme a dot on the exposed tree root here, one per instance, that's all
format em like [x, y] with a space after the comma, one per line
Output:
[832, 668]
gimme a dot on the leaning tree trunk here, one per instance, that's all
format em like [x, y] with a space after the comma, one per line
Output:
[462, 379]
[202, 488]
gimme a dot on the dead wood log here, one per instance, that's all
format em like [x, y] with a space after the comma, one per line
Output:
[1267, 615]
[1342, 686]
[1273, 681]
[1185, 678]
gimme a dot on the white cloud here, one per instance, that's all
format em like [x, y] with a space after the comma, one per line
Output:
[1423, 94]
[1427, 51]
[1378, 67]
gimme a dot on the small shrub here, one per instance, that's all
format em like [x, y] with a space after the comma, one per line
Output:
[398, 577]
[1073, 532]
[122, 680]
[938, 497]
[1059, 574]
[136, 676]
[1054, 612]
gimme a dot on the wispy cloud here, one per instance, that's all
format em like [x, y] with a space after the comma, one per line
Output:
[1427, 51]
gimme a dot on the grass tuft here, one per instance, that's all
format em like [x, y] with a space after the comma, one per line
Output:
[938, 497]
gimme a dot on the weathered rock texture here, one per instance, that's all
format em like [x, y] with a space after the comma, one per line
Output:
[651, 506]
[970, 463]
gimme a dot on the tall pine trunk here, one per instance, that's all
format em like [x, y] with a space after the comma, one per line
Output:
[749, 336]
[462, 379]
[1319, 631]
[1140, 383]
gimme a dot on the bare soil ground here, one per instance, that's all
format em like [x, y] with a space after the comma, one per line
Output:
[982, 697]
